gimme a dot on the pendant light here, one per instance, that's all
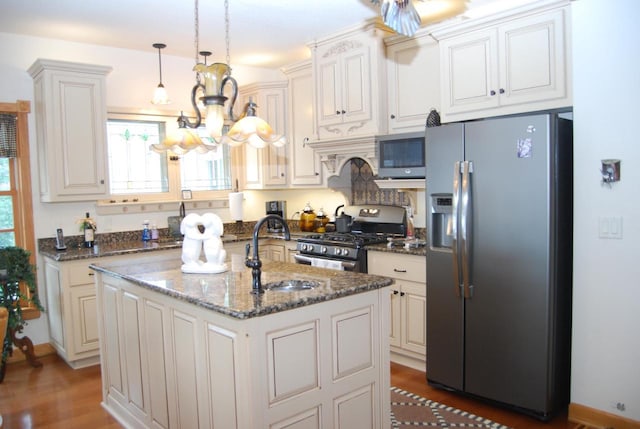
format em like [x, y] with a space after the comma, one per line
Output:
[160, 94]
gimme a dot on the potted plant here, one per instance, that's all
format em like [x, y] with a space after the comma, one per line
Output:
[15, 267]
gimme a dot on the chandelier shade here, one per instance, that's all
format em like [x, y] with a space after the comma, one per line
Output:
[182, 140]
[253, 130]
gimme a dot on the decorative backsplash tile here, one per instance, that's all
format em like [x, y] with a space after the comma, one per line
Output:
[365, 191]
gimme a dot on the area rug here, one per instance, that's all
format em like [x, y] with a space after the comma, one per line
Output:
[409, 411]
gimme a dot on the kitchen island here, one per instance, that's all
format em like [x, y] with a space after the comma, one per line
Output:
[201, 350]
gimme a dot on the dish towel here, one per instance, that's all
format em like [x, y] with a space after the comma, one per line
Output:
[325, 263]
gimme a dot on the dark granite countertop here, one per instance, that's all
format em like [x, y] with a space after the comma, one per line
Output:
[124, 247]
[229, 293]
[114, 248]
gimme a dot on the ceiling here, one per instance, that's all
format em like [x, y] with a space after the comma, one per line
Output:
[268, 33]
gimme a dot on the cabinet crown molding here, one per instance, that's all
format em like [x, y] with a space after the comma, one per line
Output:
[42, 64]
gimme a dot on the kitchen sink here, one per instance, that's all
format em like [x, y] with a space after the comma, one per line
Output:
[291, 285]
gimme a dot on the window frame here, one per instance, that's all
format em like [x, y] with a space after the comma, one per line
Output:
[174, 193]
[20, 169]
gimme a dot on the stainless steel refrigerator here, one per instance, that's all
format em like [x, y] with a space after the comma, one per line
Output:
[499, 232]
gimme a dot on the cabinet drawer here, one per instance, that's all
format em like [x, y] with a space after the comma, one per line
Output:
[80, 273]
[403, 267]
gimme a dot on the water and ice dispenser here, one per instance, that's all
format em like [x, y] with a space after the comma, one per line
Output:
[441, 227]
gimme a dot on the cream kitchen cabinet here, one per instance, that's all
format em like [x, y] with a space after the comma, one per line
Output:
[408, 326]
[71, 309]
[304, 164]
[413, 84]
[516, 64]
[71, 305]
[71, 117]
[169, 363]
[348, 69]
[266, 167]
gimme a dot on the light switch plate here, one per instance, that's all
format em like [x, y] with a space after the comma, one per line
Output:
[610, 227]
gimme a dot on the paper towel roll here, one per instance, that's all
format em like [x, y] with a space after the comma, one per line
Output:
[235, 205]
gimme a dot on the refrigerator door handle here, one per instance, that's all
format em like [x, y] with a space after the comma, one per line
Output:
[457, 284]
[465, 228]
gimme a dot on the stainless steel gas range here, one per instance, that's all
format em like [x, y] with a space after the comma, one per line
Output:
[370, 224]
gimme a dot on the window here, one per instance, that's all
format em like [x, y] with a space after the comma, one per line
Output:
[7, 195]
[16, 211]
[136, 173]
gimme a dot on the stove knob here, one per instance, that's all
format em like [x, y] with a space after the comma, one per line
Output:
[323, 249]
[345, 252]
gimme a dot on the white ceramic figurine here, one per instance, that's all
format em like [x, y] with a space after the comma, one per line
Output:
[194, 241]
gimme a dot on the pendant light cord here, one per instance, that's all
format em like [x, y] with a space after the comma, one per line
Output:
[196, 41]
[160, 64]
[226, 35]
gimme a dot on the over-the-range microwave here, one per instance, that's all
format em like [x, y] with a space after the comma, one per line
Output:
[401, 156]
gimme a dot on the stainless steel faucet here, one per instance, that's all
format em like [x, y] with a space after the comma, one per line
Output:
[254, 263]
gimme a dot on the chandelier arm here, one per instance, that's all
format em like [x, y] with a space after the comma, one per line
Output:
[234, 96]
[194, 103]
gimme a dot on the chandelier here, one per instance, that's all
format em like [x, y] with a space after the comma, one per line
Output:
[217, 76]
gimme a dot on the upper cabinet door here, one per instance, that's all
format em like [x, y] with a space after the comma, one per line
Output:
[344, 88]
[71, 117]
[348, 70]
[519, 64]
[266, 167]
[329, 84]
[470, 65]
[533, 67]
[413, 83]
[304, 164]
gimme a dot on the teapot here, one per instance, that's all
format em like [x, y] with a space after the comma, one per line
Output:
[307, 219]
[343, 222]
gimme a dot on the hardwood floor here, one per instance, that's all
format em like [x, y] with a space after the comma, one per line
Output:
[56, 397]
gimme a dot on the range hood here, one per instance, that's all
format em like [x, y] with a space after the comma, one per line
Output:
[337, 152]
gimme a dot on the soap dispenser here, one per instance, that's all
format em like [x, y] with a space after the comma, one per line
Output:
[146, 233]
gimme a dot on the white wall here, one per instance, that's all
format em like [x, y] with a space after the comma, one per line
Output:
[606, 314]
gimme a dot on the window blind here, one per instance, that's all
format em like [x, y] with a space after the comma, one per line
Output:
[8, 145]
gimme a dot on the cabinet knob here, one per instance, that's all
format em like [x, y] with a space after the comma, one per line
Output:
[501, 90]
[281, 174]
[393, 116]
[492, 92]
[343, 112]
[395, 292]
[337, 112]
[305, 141]
[316, 173]
[399, 271]
[401, 293]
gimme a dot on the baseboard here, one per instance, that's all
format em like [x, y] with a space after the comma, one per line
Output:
[39, 350]
[592, 418]
[411, 362]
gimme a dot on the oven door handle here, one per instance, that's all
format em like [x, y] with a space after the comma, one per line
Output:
[346, 265]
